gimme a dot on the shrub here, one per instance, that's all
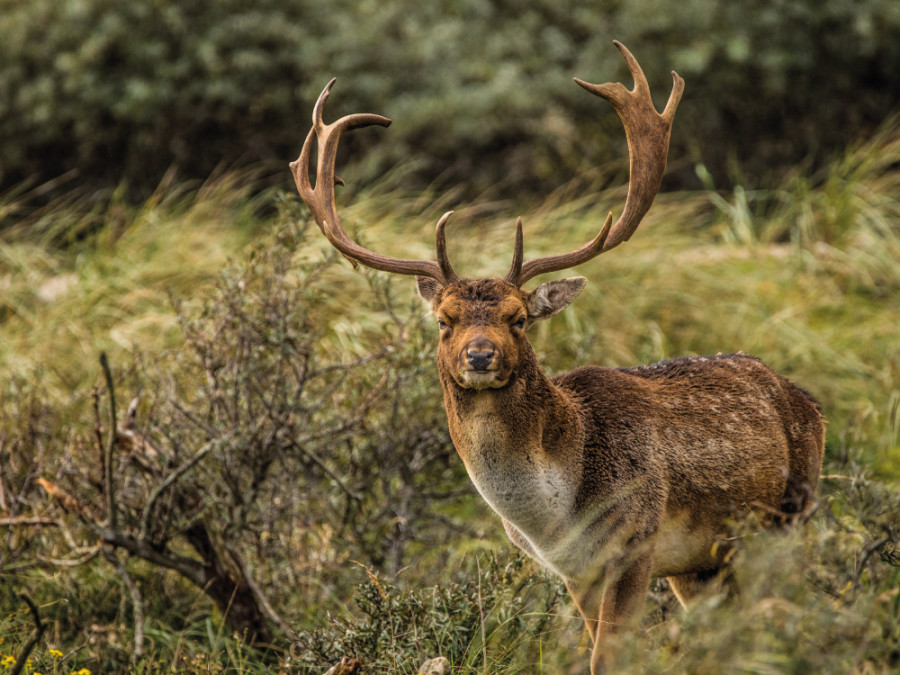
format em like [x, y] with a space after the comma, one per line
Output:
[121, 92]
[484, 622]
[251, 453]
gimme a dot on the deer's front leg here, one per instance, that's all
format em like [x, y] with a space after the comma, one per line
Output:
[615, 606]
[588, 598]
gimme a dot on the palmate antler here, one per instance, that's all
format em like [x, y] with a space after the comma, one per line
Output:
[320, 199]
[646, 131]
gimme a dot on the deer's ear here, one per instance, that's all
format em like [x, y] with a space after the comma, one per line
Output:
[553, 297]
[428, 288]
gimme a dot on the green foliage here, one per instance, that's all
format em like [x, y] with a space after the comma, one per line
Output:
[480, 623]
[108, 92]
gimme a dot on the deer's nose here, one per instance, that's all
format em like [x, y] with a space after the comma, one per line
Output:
[480, 354]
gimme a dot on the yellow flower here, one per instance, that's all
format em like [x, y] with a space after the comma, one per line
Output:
[55, 653]
[8, 661]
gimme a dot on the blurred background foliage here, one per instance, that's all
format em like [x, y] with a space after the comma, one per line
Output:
[110, 94]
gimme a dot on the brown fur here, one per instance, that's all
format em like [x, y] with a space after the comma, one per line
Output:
[613, 476]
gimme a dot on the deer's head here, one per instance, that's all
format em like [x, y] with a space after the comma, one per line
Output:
[482, 325]
[482, 322]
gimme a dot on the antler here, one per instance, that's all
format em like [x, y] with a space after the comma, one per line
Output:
[647, 133]
[320, 199]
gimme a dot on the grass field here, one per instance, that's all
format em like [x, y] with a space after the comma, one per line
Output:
[806, 276]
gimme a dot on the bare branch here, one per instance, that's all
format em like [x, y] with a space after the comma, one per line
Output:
[98, 431]
[27, 520]
[263, 601]
[193, 419]
[36, 634]
[3, 505]
[172, 477]
[192, 569]
[89, 554]
[108, 487]
[318, 461]
[188, 567]
[137, 602]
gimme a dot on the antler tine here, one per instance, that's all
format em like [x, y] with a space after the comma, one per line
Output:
[441, 246]
[647, 133]
[515, 269]
[320, 199]
[563, 261]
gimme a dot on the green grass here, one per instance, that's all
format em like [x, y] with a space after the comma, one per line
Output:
[806, 276]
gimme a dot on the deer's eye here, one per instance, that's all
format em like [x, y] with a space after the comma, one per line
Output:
[520, 323]
[443, 325]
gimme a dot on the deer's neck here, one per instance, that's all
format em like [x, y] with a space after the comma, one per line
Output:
[529, 412]
[522, 446]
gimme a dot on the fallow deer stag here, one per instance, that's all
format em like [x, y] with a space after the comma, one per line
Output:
[608, 476]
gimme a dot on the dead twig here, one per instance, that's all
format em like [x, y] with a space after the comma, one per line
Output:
[87, 554]
[172, 477]
[36, 634]
[67, 501]
[137, 602]
[872, 548]
[98, 430]
[111, 515]
[481, 616]
[263, 601]
[27, 520]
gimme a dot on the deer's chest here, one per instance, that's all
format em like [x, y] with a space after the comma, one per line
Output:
[518, 480]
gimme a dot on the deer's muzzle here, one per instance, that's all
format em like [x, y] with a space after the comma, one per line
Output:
[480, 355]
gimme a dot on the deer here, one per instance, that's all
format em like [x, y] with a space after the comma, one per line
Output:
[608, 477]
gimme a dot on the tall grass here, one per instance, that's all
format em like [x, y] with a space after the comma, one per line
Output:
[805, 277]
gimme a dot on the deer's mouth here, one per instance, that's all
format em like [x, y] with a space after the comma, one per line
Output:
[481, 379]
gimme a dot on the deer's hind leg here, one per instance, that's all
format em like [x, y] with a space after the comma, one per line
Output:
[686, 587]
[806, 439]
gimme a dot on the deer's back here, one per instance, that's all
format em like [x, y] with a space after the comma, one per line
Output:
[696, 437]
